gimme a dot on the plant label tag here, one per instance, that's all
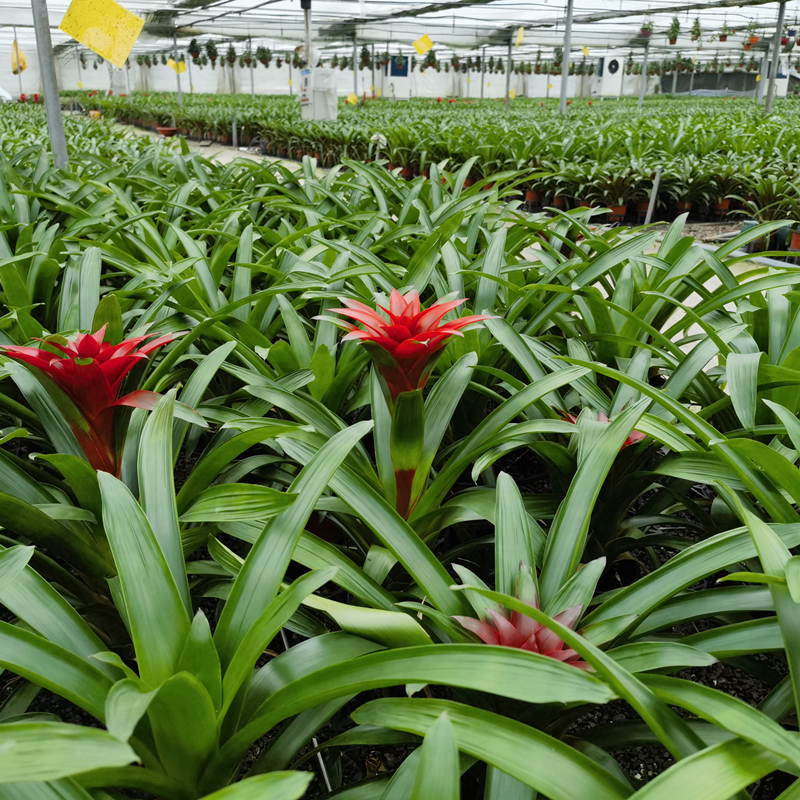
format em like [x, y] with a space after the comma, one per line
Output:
[103, 26]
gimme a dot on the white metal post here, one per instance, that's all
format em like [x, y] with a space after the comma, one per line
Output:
[189, 73]
[643, 84]
[177, 73]
[373, 70]
[355, 66]
[763, 75]
[252, 62]
[52, 102]
[675, 74]
[776, 51]
[19, 71]
[483, 70]
[128, 82]
[562, 105]
[508, 74]
[691, 78]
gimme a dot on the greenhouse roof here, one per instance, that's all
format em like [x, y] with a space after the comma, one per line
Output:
[459, 25]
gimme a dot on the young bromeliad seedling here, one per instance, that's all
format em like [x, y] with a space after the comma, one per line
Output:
[404, 346]
[91, 371]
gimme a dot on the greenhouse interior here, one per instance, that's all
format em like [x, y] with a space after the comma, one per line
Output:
[399, 400]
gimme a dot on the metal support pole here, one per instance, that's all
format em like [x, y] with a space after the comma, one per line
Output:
[691, 78]
[252, 62]
[776, 51]
[562, 105]
[128, 83]
[189, 73]
[764, 74]
[355, 66]
[47, 67]
[653, 196]
[508, 75]
[177, 74]
[643, 83]
[234, 132]
[675, 75]
[19, 71]
[291, 90]
[307, 19]
[373, 70]
[483, 70]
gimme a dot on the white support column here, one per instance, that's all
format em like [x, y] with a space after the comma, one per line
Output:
[508, 75]
[52, 102]
[483, 70]
[177, 74]
[776, 51]
[562, 105]
[643, 83]
[252, 63]
[763, 75]
[19, 71]
[355, 66]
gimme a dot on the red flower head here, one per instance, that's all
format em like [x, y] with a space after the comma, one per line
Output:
[633, 437]
[569, 102]
[452, 100]
[525, 633]
[22, 98]
[90, 371]
[406, 345]
[438, 99]
[35, 98]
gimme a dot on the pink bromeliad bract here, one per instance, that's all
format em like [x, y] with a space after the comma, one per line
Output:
[406, 343]
[91, 371]
[525, 633]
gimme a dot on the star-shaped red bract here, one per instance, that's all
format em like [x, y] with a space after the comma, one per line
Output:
[90, 371]
[407, 341]
[523, 632]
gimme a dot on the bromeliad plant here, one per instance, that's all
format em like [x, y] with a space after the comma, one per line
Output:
[83, 377]
[404, 344]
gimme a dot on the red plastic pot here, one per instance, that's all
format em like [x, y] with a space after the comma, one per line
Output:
[166, 131]
[723, 37]
[673, 41]
[794, 242]
[558, 202]
[532, 196]
[617, 213]
[682, 206]
[406, 173]
[721, 205]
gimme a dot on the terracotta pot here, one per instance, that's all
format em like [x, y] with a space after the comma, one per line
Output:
[753, 39]
[683, 206]
[318, 156]
[487, 187]
[426, 173]
[723, 37]
[617, 213]
[721, 205]
[747, 47]
[558, 202]
[166, 131]
[673, 41]
[642, 206]
[390, 166]
[532, 196]
[468, 182]
[406, 173]
[585, 204]
[299, 155]
[794, 242]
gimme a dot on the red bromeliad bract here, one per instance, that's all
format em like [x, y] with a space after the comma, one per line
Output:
[406, 345]
[633, 436]
[90, 371]
[525, 633]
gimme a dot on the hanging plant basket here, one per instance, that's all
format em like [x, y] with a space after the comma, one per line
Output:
[747, 46]
[723, 37]
[646, 33]
[674, 41]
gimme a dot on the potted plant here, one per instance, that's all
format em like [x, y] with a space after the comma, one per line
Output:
[364, 58]
[230, 55]
[791, 30]
[148, 62]
[456, 62]
[264, 55]
[399, 61]
[211, 52]
[697, 31]
[673, 31]
[194, 50]
[247, 57]
[343, 62]
[752, 32]
[629, 64]
[725, 32]
[647, 27]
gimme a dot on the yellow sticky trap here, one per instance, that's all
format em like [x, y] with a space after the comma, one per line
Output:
[178, 66]
[18, 61]
[512, 94]
[80, 84]
[549, 85]
[290, 81]
[103, 26]
[379, 92]
[372, 89]
[758, 78]
[585, 52]
[352, 99]
[468, 80]
[520, 35]
[423, 44]
[488, 84]
[425, 73]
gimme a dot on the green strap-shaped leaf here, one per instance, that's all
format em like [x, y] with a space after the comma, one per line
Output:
[438, 776]
[47, 751]
[257, 584]
[513, 545]
[237, 502]
[526, 754]
[158, 619]
[275, 786]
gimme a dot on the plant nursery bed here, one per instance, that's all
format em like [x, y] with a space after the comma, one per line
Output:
[487, 502]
